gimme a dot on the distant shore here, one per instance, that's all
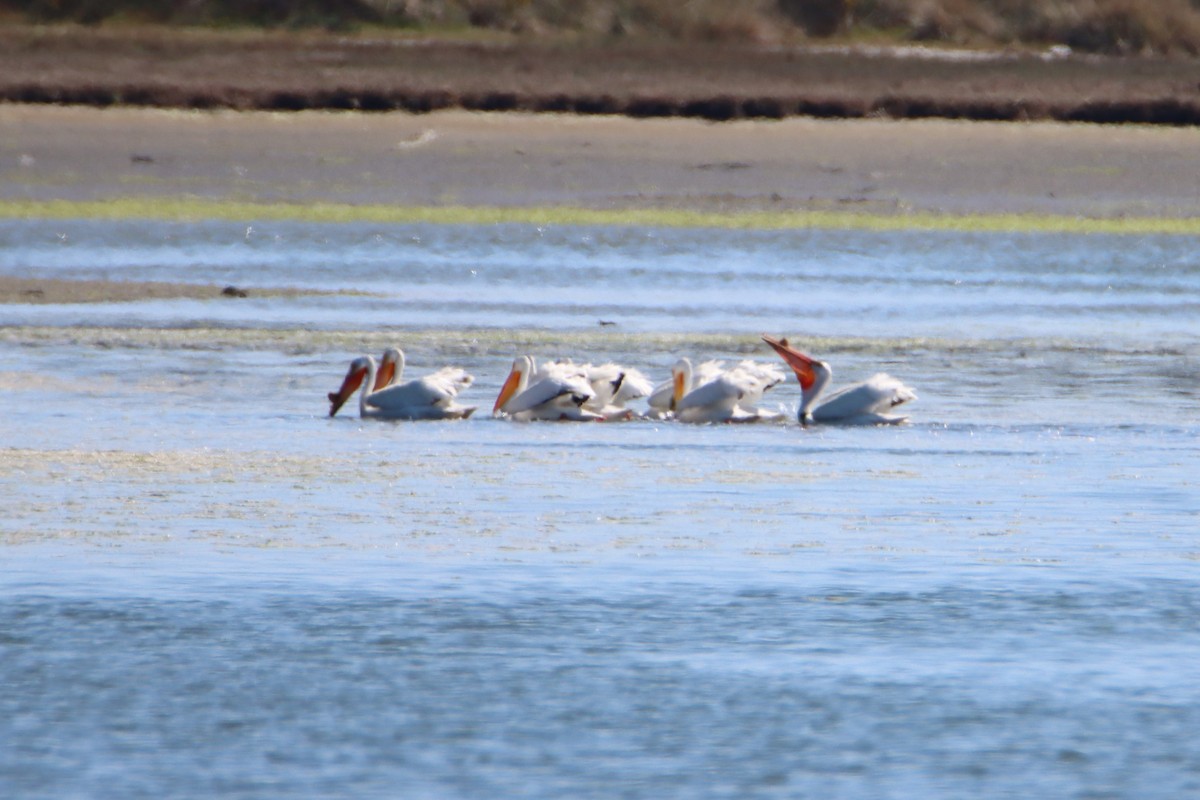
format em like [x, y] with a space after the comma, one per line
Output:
[164, 67]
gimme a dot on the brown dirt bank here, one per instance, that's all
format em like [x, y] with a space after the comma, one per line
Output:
[170, 68]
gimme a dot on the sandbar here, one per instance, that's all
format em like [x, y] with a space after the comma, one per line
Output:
[818, 171]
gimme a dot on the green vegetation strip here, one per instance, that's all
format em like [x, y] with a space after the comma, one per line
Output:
[190, 209]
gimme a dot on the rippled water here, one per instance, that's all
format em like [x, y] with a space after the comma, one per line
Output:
[829, 283]
[209, 587]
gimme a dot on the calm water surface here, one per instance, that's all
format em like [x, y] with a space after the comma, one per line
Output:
[209, 588]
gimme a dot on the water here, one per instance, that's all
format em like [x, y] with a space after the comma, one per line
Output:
[832, 283]
[210, 588]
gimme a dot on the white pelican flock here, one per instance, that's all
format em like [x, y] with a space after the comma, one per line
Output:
[564, 390]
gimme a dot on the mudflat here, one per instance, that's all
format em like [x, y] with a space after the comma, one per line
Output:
[520, 160]
[600, 162]
[38, 291]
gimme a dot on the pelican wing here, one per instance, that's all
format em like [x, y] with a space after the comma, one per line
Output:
[866, 403]
[614, 386]
[715, 401]
[448, 382]
[660, 397]
[605, 380]
[754, 378]
[555, 392]
[634, 386]
[430, 397]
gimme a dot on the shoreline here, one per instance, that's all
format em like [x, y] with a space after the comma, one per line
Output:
[295, 71]
[455, 159]
[455, 167]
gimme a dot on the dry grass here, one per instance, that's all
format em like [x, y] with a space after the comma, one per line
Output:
[1099, 26]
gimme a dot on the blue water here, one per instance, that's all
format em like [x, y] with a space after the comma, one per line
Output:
[833, 283]
[209, 588]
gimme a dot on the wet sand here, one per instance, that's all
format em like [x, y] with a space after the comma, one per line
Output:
[474, 159]
[457, 158]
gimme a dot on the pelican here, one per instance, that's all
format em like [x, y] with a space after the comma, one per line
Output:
[432, 396]
[385, 376]
[732, 396]
[559, 392]
[387, 372]
[630, 385]
[635, 386]
[391, 369]
[662, 397]
[613, 386]
[863, 403]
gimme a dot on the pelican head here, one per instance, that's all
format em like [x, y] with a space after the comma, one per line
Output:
[391, 367]
[359, 368]
[516, 382]
[814, 375]
[681, 380]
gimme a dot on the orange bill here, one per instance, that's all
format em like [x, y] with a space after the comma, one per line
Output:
[679, 389]
[353, 380]
[387, 371]
[507, 390]
[800, 363]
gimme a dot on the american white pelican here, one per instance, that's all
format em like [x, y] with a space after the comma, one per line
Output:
[613, 386]
[662, 397]
[556, 393]
[388, 372]
[732, 396]
[432, 396]
[863, 403]
[634, 386]
[384, 376]
[756, 378]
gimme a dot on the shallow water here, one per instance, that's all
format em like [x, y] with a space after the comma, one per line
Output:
[209, 587]
[828, 283]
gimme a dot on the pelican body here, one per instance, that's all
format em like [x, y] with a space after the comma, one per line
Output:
[383, 396]
[866, 403]
[613, 386]
[556, 393]
[662, 397]
[722, 395]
